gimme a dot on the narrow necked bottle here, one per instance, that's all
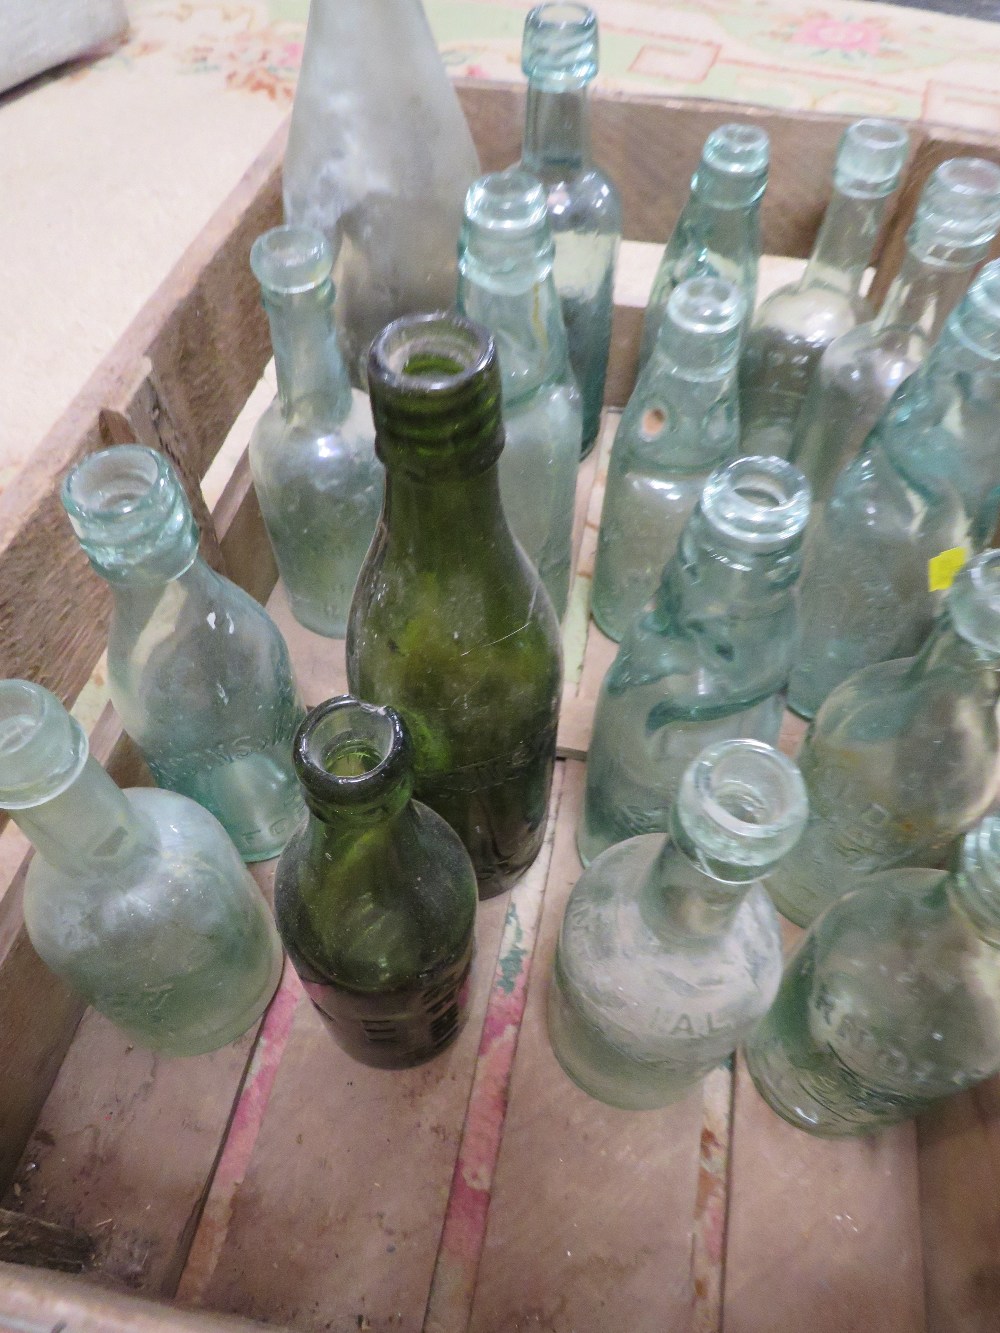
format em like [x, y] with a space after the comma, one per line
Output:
[670, 950]
[718, 232]
[559, 56]
[680, 423]
[708, 661]
[198, 671]
[796, 323]
[375, 895]
[451, 624]
[902, 757]
[312, 454]
[957, 217]
[137, 899]
[505, 282]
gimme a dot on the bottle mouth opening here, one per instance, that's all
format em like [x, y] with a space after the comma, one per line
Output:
[740, 150]
[288, 260]
[349, 751]
[761, 502]
[436, 353]
[706, 306]
[870, 157]
[114, 483]
[42, 748]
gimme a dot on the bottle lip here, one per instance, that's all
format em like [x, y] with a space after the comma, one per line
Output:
[507, 203]
[338, 726]
[455, 350]
[870, 158]
[959, 205]
[291, 259]
[42, 747]
[706, 306]
[559, 49]
[760, 502]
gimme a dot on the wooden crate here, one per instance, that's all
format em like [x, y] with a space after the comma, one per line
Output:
[276, 1180]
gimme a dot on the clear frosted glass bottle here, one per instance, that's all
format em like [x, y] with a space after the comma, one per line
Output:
[796, 323]
[136, 899]
[559, 56]
[680, 423]
[957, 217]
[379, 158]
[670, 950]
[902, 757]
[718, 232]
[312, 454]
[505, 282]
[708, 661]
[197, 670]
[925, 483]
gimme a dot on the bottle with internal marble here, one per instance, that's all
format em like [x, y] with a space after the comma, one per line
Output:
[680, 423]
[670, 951]
[137, 899]
[505, 282]
[198, 671]
[709, 660]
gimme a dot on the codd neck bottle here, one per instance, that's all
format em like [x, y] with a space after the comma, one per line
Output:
[375, 895]
[450, 623]
[312, 454]
[136, 899]
[957, 217]
[796, 323]
[708, 661]
[197, 670]
[681, 422]
[505, 282]
[670, 951]
[559, 56]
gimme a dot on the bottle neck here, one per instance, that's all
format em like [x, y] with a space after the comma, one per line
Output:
[524, 316]
[441, 520]
[556, 131]
[709, 579]
[145, 582]
[679, 900]
[845, 242]
[930, 283]
[312, 379]
[946, 653]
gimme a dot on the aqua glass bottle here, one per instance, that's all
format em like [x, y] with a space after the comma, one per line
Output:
[680, 423]
[451, 624]
[796, 323]
[718, 232]
[559, 56]
[709, 660]
[670, 950]
[505, 282]
[136, 899]
[375, 895]
[197, 670]
[957, 217]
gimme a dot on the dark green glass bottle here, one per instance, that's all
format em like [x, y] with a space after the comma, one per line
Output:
[375, 896]
[450, 623]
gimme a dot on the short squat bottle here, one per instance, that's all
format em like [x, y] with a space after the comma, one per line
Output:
[681, 422]
[197, 670]
[505, 282]
[559, 56]
[136, 899]
[375, 895]
[670, 950]
[312, 454]
[709, 660]
[451, 624]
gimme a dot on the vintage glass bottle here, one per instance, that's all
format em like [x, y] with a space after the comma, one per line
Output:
[796, 323]
[379, 158]
[312, 454]
[670, 950]
[451, 624]
[375, 896]
[136, 899]
[680, 423]
[902, 757]
[957, 217]
[708, 661]
[718, 232]
[559, 56]
[197, 670]
[505, 282]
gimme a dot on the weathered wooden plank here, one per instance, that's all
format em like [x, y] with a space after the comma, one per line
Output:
[27, 1240]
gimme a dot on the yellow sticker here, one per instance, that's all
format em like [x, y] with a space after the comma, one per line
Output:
[941, 570]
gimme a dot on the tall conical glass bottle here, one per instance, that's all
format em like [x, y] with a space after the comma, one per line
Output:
[375, 895]
[451, 624]
[681, 422]
[559, 56]
[312, 454]
[718, 232]
[379, 158]
[505, 282]
[796, 323]
[137, 899]
[957, 217]
[708, 661]
[669, 950]
[197, 670]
